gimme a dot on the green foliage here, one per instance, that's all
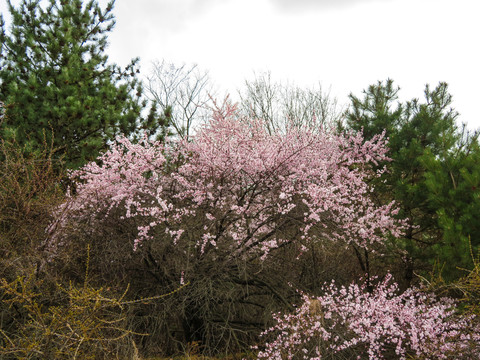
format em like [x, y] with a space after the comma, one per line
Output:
[374, 112]
[428, 153]
[453, 183]
[55, 79]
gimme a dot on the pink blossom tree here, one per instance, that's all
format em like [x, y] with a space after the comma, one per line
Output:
[243, 184]
[351, 322]
[227, 200]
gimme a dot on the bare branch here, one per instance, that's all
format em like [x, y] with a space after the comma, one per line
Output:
[281, 106]
[185, 89]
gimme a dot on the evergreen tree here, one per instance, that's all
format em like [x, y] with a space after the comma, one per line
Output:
[56, 82]
[417, 131]
[453, 183]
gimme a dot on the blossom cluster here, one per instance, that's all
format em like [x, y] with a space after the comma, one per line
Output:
[246, 187]
[352, 322]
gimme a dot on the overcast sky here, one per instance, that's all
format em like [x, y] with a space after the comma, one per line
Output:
[344, 45]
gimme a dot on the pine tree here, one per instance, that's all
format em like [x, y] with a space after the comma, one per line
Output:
[453, 183]
[56, 82]
[416, 131]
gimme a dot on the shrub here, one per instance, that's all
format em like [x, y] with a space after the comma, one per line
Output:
[80, 323]
[30, 187]
[351, 322]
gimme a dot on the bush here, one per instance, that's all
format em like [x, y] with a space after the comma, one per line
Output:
[80, 323]
[351, 322]
[30, 187]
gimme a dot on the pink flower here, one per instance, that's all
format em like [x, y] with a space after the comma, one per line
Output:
[383, 324]
[243, 182]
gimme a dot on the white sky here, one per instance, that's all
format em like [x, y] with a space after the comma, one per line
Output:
[344, 45]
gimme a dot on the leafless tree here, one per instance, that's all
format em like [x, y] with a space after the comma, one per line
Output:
[184, 92]
[280, 105]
